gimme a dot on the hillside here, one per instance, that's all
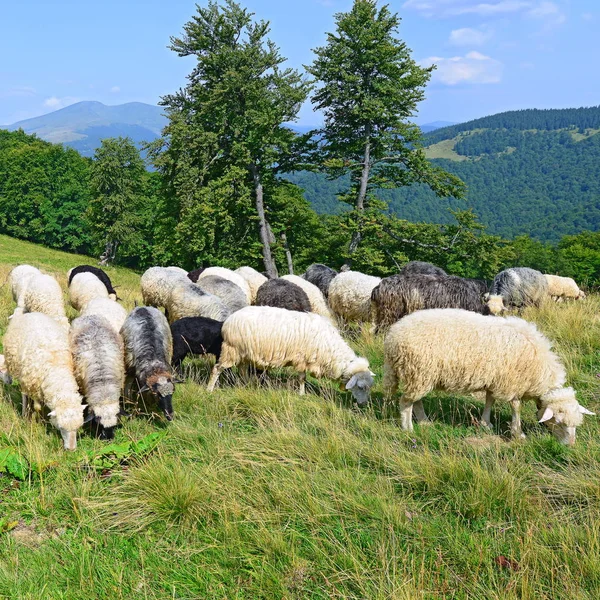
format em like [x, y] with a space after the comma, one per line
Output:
[84, 124]
[531, 171]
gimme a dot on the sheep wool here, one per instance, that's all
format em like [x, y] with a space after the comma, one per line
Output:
[463, 352]
[19, 278]
[195, 335]
[111, 310]
[230, 293]
[187, 299]
[281, 293]
[99, 273]
[517, 287]
[563, 287]
[44, 294]
[418, 267]
[350, 295]
[227, 274]
[318, 304]
[85, 286]
[253, 278]
[321, 276]
[157, 283]
[38, 355]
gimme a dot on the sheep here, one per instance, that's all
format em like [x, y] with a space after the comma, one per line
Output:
[157, 283]
[19, 278]
[274, 337]
[563, 287]
[517, 287]
[4, 374]
[188, 299]
[195, 335]
[99, 273]
[317, 301]
[400, 295]
[230, 293]
[85, 286]
[415, 267]
[43, 294]
[350, 295]
[148, 352]
[193, 275]
[112, 311]
[227, 274]
[463, 352]
[253, 278]
[321, 276]
[37, 355]
[282, 294]
[98, 360]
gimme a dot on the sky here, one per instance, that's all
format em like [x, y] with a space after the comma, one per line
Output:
[492, 55]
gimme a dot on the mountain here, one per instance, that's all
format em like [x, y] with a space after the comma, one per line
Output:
[427, 127]
[531, 172]
[84, 124]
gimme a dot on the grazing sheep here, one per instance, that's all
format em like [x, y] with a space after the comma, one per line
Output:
[188, 299]
[112, 311]
[227, 274]
[195, 335]
[517, 287]
[318, 304]
[99, 370]
[282, 294]
[418, 267]
[43, 294]
[462, 352]
[321, 276]
[148, 352]
[37, 355]
[4, 374]
[563, 287]
[157, 283]
[230, 293]
[19, 278]
[400, 295]
[274, 337]
[350, 295]
[84, 287]
[99, 273]
[253, 278]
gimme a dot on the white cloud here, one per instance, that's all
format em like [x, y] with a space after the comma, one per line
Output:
[115, 89]
[469, 37]
[549, 13]
[56, 103]
[472, 68]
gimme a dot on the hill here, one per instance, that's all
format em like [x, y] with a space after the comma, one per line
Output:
[529, 171]
[255, 492]
[84, 124]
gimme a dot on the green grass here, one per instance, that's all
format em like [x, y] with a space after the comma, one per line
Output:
[258, 493]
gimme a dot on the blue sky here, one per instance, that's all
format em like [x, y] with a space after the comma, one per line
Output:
[492, 55]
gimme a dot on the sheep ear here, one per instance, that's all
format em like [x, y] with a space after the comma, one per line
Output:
[351, 383]
[548, 414]
[52, 414]
[584, 411]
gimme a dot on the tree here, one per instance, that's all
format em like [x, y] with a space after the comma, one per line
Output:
[368, 88]
[231, 114]
[116, 210]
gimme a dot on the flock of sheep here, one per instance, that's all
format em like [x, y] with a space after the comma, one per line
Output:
[441, 333]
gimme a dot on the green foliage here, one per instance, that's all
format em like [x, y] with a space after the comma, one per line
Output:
[12, 463]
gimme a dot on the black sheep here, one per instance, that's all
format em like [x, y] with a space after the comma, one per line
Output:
[321, 276]
[99, 273]
[281, 293]
[195, 335]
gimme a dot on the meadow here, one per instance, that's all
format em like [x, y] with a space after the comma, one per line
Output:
[254, 492]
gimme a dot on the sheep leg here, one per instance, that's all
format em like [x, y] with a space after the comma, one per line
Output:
[24, 406]
[515, 426]
[486, 416]
[406, 410]
[419, 413]
[302, 388]
[214, 377]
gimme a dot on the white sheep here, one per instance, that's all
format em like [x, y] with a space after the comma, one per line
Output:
[253, 278]
[85, 287]
[187, 299]
[275, 337]
[99, 365]
[112, 311]
[317, 301]
[157, 283]
[350, 295]
[43, 294]
[460, 351]
[563, 287]
[37, 354]
[227, 274]
[19, 278]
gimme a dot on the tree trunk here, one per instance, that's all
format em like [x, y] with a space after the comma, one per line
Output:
[270, 267]
[288, 254]
[360, 199]
[110, 251]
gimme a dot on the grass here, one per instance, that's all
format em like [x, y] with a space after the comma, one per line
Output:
[258, 493]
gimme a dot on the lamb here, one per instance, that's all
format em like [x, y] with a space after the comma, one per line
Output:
[230, 293]
[317, 301]
[195, 335]
[274, 337]
[43, 294]
[400, 295]
[282, 294]
[321, 276]
[112, 311]
[19, 278]
[350, 295]
[98, 360]
[253, 278]
[227, 274]
[417, 267]
[563, 287]
[517, 287]
[157, 283]
[84, 287]
[37, 355]
[187, 299]
[463, 352]
[148, 352]
[99, 273]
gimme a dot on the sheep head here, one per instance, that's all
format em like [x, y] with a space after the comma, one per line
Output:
[360, 386]
[562, 414]
[495, 304]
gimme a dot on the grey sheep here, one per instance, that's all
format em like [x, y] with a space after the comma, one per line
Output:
[516, 288]
[232, 295]
[281, 293]
[418, 267]
[321, 276]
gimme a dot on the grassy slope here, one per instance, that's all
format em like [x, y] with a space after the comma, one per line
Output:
[258, 493]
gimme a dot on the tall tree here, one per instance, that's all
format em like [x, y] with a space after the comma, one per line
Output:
[368, 88]
[231, 114]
